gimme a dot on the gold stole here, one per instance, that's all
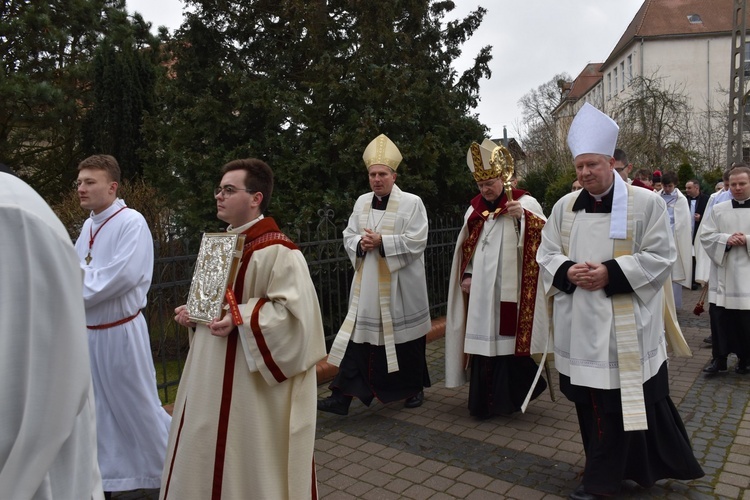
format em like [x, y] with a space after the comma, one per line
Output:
[338, 349]
[626, 331]
[532, 238]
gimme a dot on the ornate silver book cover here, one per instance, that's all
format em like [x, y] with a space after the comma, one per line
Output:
[215, 269]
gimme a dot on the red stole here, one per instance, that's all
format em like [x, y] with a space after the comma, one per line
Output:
[517, 318]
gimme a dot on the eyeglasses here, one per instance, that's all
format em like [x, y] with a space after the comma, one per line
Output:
[620, 169]
[228, 191]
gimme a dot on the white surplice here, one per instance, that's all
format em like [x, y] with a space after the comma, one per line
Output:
[469, 327]
[584, 333]
[132, 426]
[729, 283]
[47, 416]
[404, 255]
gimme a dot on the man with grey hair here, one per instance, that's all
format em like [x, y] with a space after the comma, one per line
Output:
[605, 255]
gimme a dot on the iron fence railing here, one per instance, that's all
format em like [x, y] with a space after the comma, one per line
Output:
[322, 245]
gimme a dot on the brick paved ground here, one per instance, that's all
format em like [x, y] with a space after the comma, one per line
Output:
[439, 452]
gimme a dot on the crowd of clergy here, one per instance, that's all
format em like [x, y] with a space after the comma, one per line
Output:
[592, 290]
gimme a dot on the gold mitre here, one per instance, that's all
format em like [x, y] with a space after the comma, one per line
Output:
[382, 151]
[478, 159]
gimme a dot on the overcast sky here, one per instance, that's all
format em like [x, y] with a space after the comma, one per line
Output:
[532, 40]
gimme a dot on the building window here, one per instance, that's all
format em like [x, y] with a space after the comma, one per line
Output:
[609, 86]
[694, 19]
[622, 75]
[630, 68]
[614, 72]
[746, 64]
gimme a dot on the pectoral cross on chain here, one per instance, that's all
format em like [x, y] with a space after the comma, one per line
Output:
[484, 241]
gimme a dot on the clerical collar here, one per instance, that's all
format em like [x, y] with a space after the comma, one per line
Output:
[741, 203]
[244, 227]
[379, 203]
[492, 205]
[587, 201]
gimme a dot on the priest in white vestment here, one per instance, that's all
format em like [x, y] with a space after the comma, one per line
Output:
[725, 240]
[244, 418]
[492, 291]
[606, 253]
[116, 253]
[380, 348]
[681, 225]
[47, 416]
[704, 274]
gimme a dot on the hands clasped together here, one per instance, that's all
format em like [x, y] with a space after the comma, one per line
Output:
[370, 241]
[589, 276]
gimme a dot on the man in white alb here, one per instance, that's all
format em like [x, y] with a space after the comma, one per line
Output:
[492, 291]
[116, 253]
[380, 348]
[47, 416]
[681, 225]
[725, 239]
[606, 253]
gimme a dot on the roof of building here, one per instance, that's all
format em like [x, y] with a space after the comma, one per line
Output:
[585, 81]
[675, 18]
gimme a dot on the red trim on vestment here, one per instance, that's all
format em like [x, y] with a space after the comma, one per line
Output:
[224, 407]
[532, 238]
[114, 323]
[174, 451]
[314, 492]
[476, 221]
[260, 235]
[508, 319]
[260, 340]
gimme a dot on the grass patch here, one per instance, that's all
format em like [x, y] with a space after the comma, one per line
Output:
[167, 377]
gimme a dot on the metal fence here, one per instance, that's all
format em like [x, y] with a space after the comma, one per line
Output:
[322, 245]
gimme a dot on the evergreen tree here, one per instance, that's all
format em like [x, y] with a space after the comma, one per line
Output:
[305, 85]
[45, 87]
[123, 81]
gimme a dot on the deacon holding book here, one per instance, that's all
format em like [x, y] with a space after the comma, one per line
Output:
[606, 253]
[492, 290]
[244, 418]
[116, 253]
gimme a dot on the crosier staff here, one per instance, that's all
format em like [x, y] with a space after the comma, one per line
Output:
[502, 161]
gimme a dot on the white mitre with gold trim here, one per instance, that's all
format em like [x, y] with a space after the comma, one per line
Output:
[592, 132]
[382, 151]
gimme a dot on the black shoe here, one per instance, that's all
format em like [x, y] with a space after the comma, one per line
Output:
[741, 368]
[717, 365]
[580, 494]
[695, 286]
[333, 405]
[708, 340]
[415, 401]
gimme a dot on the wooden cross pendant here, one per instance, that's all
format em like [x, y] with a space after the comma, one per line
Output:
[88, 259]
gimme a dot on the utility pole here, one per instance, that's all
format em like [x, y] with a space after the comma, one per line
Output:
[737, 96]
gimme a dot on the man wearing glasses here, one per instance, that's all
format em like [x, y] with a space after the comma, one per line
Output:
[622, 166]
[244, 418]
